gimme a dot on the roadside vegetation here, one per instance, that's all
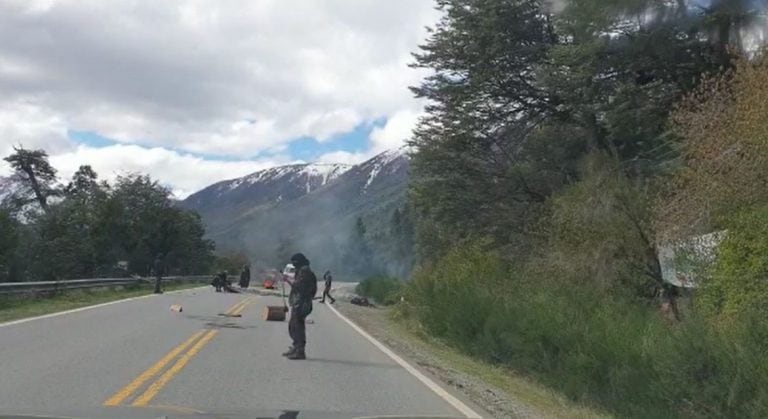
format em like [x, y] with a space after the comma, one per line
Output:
[381, 289]
[88, 228]
[563, 145]
[14, 307]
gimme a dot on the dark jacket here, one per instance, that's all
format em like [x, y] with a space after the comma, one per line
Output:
[328, 280]
[245, 277]
[303, 290]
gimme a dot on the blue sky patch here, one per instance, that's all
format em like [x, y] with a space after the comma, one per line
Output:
[305, 148]
[91, 139]
[354, 141]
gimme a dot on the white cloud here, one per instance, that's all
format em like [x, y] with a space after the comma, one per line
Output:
[232, 79]
[187, 74]
[31, 126]
[184, 173]
[395, 132]
[344, 157]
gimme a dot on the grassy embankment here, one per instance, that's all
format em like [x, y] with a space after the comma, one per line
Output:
[390, 324]
[616, 354]
[15, 307]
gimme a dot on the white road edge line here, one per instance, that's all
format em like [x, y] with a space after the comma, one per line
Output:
[453, 401]
[76, 310]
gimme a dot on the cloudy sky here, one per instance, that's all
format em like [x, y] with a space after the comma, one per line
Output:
[194, 91]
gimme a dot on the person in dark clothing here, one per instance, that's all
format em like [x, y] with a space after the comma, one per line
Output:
[303, 290]
[245, 277]
[221, 283]
[218, 281]
[327, 289]
[226, 284]
[157, 269]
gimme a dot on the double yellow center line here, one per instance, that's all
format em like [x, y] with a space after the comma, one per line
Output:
[238, 308]
[196, 341]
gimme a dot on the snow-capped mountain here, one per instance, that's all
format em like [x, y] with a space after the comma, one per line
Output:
[313, 204]
[271, 185]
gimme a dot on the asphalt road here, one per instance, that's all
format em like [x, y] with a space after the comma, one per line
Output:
[140, 359]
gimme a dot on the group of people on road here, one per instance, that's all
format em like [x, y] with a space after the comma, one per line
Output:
[221, 282]
[303, 289]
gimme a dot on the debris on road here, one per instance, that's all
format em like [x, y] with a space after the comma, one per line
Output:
[274, 313]
[177, 308]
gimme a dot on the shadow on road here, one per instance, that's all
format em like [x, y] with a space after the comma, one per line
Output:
[218, 322]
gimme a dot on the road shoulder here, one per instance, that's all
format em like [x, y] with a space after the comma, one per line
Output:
[501, 392]
[15, 310]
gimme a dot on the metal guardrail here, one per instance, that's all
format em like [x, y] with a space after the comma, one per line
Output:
[54, 286]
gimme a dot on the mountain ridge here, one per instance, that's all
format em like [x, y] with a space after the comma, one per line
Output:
[270, 213]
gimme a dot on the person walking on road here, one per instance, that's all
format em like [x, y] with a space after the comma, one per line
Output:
[303, 290]
[157, 269]
[327, 289]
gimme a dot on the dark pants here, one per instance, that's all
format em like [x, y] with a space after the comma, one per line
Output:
[327, 293]
[297, 330]
[158, 279]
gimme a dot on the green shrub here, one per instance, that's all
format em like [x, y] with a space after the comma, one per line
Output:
[739, 283]
[382, 289]
[594, 347]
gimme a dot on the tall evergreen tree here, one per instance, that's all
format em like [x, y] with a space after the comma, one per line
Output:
[35, 175]
[522, 92]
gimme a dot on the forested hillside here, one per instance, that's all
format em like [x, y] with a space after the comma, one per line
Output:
[564, 143]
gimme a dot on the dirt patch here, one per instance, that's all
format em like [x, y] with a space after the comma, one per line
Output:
[496, 402]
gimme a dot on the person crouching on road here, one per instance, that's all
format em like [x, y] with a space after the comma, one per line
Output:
[303, 290]
[218, 281]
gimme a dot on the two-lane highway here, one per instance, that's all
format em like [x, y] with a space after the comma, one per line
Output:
[137, 358]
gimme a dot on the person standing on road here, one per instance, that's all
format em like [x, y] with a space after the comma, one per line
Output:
[157, 268]
[303, 290]
[327, 289]
[245, 277]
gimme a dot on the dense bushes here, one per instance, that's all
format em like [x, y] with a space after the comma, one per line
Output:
[738, 285]
[382, 289]
[595, 348]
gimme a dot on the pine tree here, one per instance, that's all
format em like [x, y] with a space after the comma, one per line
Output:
[35, 175]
